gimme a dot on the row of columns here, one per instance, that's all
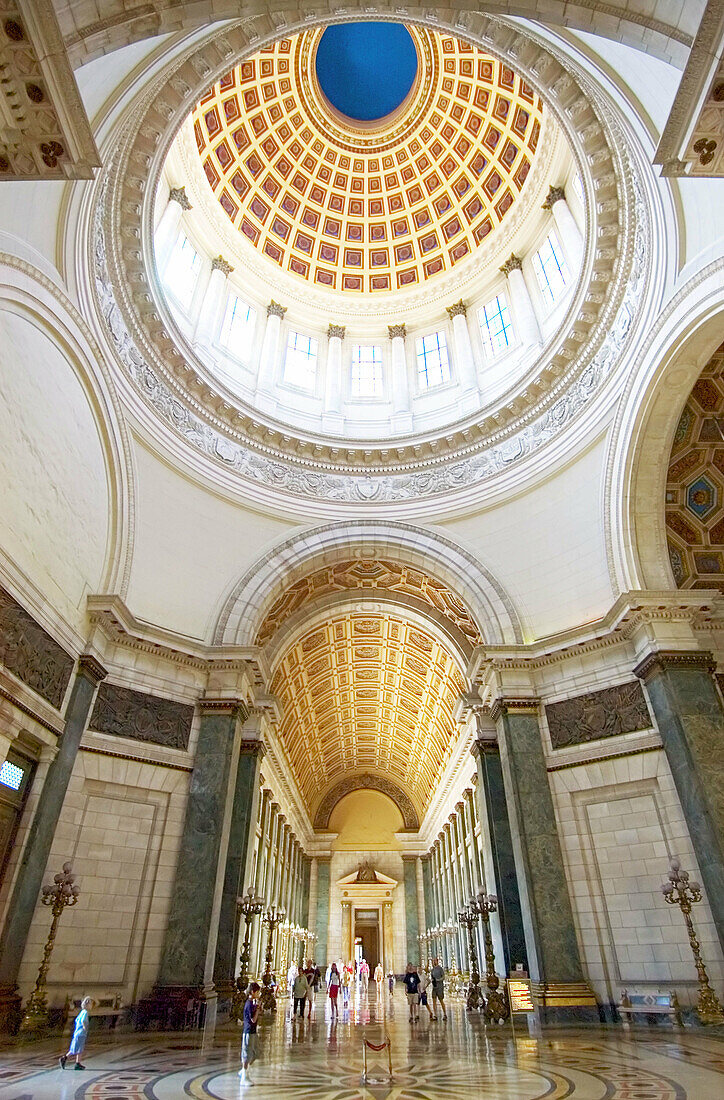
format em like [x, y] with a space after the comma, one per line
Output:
[281, 869]
[527, 322]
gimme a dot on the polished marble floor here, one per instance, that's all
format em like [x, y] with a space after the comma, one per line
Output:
[453, 1060]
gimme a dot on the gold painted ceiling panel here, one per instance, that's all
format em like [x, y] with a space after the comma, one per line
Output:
[367, 693]
[368, 207]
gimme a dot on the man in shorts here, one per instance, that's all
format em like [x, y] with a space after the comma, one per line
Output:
[249, 1038]
[411, 982]
[437, 975]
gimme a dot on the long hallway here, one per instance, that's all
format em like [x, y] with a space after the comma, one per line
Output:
[455, 1059]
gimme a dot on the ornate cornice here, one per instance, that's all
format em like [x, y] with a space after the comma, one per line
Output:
[336, 332]
[178, 194]
[397, 332]
[513, 263]
[222, 265]
[275, 310]
[211, 704]
[555, 194]
[601, 319]
[457, 309]
[665, 660]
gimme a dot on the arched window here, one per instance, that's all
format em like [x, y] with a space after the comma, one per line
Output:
[237, 328]
[184, 267]
[551, 269]
[496, 327]
[300, 362]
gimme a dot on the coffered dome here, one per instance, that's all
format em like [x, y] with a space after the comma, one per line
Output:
[379, 206]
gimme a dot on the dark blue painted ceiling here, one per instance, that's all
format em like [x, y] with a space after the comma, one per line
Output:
[366, 69]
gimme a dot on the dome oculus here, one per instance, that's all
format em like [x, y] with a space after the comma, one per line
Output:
[379, 208]
[366, 70]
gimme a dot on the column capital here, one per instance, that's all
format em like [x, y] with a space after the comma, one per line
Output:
[178, 194]
[505, 705]
[90, 667]
[662, 660]
[513, 263]
[336, 332]
[396, 332]
[555, 194]
[275, 310]
[222, 265]
[252, 747]
[457, 309]
[218, 704]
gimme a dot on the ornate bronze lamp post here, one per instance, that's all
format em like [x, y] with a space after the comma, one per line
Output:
[496, 1005]
[249, 907]
[63, 892]
[451, 932]
[468, 918]
[680, 891]
[271, 919]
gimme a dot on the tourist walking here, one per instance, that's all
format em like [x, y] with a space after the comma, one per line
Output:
[364, 976]
[80, 1034]
[411, 982]
[333, 988]
[249, 1037]
[391, 981]
[300, 990]
[346, 983]
[437, 974]
[379, 978]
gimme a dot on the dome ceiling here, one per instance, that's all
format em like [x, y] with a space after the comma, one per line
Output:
[371, 693]
[368, 207]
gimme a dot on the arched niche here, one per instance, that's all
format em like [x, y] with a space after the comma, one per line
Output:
[372, 782]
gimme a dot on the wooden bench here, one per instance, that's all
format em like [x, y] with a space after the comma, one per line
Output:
[106, 1012]
[645, 1003]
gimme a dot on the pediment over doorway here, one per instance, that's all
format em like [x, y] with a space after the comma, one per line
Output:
[366, 876]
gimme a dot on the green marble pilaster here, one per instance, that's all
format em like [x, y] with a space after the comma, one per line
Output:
[34, 860]
[427, 891]
[322, 917]
[493, 810]
[412, 923]
[689, 715]
[554, 959]
[238, 862]
[190, 920]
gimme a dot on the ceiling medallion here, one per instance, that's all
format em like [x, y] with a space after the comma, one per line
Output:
[182, 393]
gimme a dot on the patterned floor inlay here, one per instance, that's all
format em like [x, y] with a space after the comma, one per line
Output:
[455, 1060]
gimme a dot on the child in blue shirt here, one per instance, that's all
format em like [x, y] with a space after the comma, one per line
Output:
[249, 1037]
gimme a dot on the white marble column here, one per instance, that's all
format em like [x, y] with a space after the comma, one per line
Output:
[211, 301]
[570, 235]
[399, 384]
[332, 419]
[464, 361]
[521, 302]
[168, 227]
[270, 347]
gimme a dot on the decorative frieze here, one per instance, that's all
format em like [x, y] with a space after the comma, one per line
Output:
[178, 194]
[606, 713]
[31, 654]
[123, 712]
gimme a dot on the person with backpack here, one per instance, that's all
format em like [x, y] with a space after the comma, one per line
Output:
[438, 987]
